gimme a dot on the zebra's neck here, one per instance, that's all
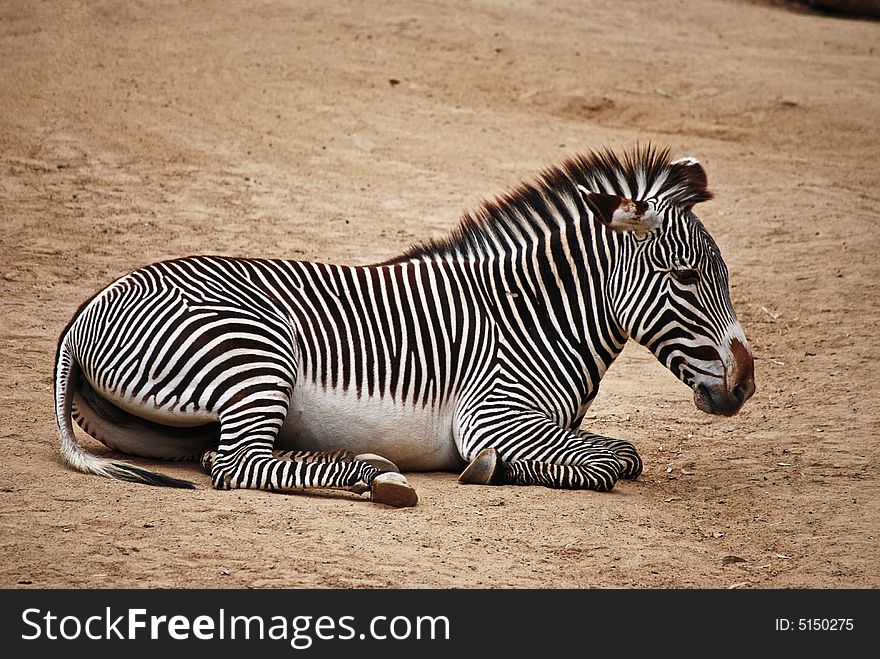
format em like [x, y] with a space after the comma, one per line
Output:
[547, 266]
[550, 295]
[546, 293]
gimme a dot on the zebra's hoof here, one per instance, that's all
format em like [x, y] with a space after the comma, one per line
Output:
[483, 469]
[377, 461]
[359, 488]
[393, 490]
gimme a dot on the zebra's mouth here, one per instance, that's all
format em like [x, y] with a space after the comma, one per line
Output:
[717, 399]
[725, 394]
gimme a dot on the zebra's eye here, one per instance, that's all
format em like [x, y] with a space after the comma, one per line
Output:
[688, 277]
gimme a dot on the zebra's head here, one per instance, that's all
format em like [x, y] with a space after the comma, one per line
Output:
[668, 285]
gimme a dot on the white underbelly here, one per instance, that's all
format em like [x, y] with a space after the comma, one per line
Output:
[169, 413]
[413, 437]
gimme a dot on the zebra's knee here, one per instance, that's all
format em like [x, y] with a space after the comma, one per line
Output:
[629, 457]
[605, 469]
[624, 451]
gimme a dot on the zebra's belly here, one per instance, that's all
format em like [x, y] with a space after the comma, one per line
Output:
[168, 413]
[414, 438]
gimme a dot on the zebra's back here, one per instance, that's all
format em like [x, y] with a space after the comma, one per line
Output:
[373, 358]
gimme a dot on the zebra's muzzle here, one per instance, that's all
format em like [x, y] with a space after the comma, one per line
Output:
[717, 400]
[725, 396]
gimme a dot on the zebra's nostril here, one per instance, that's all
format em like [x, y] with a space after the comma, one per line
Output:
[738, 394]
[743, 391]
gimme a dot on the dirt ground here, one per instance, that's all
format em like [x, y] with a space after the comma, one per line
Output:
[137, 131]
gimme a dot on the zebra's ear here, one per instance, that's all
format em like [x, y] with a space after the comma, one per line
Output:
[690, 175]
[619, 213]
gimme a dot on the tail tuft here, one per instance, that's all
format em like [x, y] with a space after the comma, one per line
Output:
[126, 472]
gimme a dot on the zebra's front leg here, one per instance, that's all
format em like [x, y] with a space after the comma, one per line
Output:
[623, 450]
[599, 473]
[527, 448]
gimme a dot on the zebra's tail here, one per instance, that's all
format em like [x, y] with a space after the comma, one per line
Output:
[67, 373]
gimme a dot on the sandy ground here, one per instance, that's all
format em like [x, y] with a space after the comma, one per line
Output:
[136, 131]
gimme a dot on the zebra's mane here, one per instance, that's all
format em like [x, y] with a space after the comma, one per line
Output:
[527, 208]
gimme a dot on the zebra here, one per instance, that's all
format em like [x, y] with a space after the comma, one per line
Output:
[478, 352]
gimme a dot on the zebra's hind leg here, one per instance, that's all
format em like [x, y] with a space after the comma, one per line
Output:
[383, 464]
[210, 454]
[599, 472]
[389, 487]
[244, 459]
